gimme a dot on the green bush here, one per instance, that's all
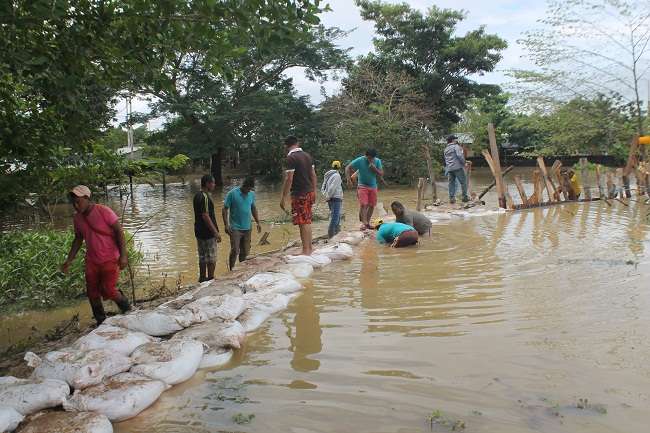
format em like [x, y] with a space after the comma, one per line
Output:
[30, 275]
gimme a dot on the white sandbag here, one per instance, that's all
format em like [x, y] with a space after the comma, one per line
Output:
[113, 338]
[253, 318]
[67, 422]
[172, 361]
[216, 357]
[351, 238]
[297, 270]
[158, 322]
[78, 369]
[216, 334]
[28, 396]
[226, 307]
[316, 260]
[9, 418]
[119, 398]
[261, 306]
[275, 282]
[339, 251]
[180, 301]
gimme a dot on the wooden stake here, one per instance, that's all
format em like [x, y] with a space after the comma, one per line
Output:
[501, 190]
[586, 189]
[537, 193]
[550, 187]
[432, 175]
[520, 189]
[421, 184]
[600, 185]
[611, 189]
[555, 171]
[509, 202]
[632, 161]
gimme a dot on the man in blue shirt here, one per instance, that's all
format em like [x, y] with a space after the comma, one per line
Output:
[396, 234]
[240, 203]
[368, 168]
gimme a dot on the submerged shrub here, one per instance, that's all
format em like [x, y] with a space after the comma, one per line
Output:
[30, 274]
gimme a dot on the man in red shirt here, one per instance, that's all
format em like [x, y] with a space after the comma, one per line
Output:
[106, 251]
[301, 180]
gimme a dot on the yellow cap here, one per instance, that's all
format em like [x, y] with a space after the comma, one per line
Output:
[376, 222]
[336, 164]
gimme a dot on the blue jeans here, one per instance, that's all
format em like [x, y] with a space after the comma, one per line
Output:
[335, 205]
[462, 179]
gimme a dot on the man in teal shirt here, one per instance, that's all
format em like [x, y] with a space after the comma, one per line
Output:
[240, 203]
[396, 234]
[368, 168]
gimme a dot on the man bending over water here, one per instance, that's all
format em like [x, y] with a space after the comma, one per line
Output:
[396, 234]
[412, 218]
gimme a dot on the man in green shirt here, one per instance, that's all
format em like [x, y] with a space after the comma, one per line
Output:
[238, 207]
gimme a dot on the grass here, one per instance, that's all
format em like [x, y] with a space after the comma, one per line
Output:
[30, 275]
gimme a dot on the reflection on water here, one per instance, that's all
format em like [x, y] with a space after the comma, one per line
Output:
[504, 322]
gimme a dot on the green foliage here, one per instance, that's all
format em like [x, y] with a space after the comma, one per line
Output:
[30, 276]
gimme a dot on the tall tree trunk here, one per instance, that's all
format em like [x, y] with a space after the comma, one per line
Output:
[215, 166]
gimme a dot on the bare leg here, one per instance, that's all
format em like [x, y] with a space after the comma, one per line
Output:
[369, 211]
[305, 237]
[211, 267]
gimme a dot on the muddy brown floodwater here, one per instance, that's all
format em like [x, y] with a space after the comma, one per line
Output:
[533, 321]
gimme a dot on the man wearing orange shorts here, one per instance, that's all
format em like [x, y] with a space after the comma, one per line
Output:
[368, 167]
[106, 251]
[300, 179]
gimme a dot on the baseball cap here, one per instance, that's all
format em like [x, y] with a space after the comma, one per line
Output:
[336, 164]
[80, 191]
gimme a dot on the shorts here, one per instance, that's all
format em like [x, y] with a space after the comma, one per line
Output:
[301, 208]
[207, 250]
[407, 238]
[367, 196]
[101, 280]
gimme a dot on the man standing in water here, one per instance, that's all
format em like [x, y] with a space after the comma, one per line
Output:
[455, 168]
[106, 251]
[240, 204]
[300, 178]
[333, 192]
[369, 167]
[205, 229]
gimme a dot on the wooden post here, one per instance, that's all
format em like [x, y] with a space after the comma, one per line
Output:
[586, 189]
[600, 185]
[631, 163]
[611, 189]
[620, 181]
[421, 184]
[550, 186]
[469, 180]
[432, 175]
[509, 203]
[520, 189]
[555, 171]
[501, 190]
[537, 193]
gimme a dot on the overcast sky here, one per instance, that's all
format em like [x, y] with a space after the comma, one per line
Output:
[506, 18]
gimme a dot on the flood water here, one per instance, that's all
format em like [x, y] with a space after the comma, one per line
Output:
[504, 323]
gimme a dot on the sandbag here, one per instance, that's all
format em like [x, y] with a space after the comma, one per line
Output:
[27, 396]
[226, 307]
[216, 357]
[67, 422]
[261, 306]
[216, 334]
[340, 251]
[316, 260]
[351, 238]
[9, 418]
[158, 322]
[119, 398]
[297, 270]
[172, 361]
[113, 338]
[78, 369]
[262, 280]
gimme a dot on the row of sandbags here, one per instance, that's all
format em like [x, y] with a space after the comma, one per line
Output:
[123, 366]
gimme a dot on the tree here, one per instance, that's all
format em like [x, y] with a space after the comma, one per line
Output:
[426, 48]
[589, 47]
